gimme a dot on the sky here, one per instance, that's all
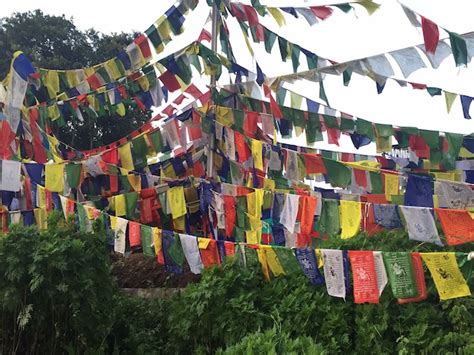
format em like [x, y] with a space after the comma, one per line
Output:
[341, 37]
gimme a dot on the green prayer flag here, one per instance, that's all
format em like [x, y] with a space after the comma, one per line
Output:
[157, 141]
[454, 146]
[329, 222]
[239, 117]
[287, 259]
[73, 174]
[459, 48]
[449, 98]
[295, 57]
[146, 235]
[376, 182]
[82, 216]
[176, 251]
[322, 93]
[280, 96]
[312, 60]
[251, 258]
[365, 128]
[338, 174]
[283, 44]
[431, 138]
[383, 130]
[344, 7]
[241, 208]
[270, 38]
[400, 273]
[433, 91]
[313, 129]
[298, 118]
[139, 150]
[131, 199]
[331, 122]
[346, 76]
[155, 39]
[347, 125]
[125, 184]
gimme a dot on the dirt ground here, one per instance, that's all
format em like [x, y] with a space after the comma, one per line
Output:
[139, 271]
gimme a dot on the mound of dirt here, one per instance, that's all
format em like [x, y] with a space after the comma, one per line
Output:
[140, 271]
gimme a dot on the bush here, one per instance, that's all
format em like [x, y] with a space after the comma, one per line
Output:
[272, 342]
[55, 290]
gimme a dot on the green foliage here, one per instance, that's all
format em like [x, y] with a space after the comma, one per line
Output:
[273, 342]
[55, 290]
[57, 296]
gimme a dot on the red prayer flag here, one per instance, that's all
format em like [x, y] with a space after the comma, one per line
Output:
[94, 81]
[134, 234]
[360, 177]
[314, 164]
[458, 226]
[204, 36]
[430, 35]
[251, 14]
[170, 81]
[242, 148]
[210, 255]
[229, 248]
[230, 213]
[142, 42]
[250, 123]
[364, 276]
[321, 12]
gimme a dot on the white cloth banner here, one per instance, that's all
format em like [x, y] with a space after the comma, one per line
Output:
[334, 272]
[289, 212]
[191, 252]
[11, 175]
[120, 235]
[420, 224]
[380, 271]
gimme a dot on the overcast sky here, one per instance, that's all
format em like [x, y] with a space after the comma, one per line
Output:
[342, 37]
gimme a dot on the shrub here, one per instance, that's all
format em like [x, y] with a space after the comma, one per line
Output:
[55, 289]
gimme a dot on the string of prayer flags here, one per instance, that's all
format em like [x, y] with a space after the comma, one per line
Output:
[447, 277]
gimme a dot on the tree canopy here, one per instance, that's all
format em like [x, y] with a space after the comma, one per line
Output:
[54, 42]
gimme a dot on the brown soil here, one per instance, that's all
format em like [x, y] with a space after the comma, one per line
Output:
[139, 271]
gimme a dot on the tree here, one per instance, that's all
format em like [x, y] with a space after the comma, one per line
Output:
[54, 42]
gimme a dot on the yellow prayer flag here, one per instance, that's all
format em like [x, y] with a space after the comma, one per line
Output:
[51, 81]
[276, 14]
[156, 233]
[72, 78]
[203, 243]
[252, 237]
[350, 218]
[54, 180]
[177, 201]
[262, 258]
[120, 209]
[273, 261]
[391, 186]
[447, 277]
[40, 196]
[144, 83]
[257, 147]
[225, 116]
[113, 222]
[135, 181]
[179, 224]
[120, 109]
[319, 257]
[126, 159]
[41, 218]
[269, 184]
[53, 112]
[112, 69]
